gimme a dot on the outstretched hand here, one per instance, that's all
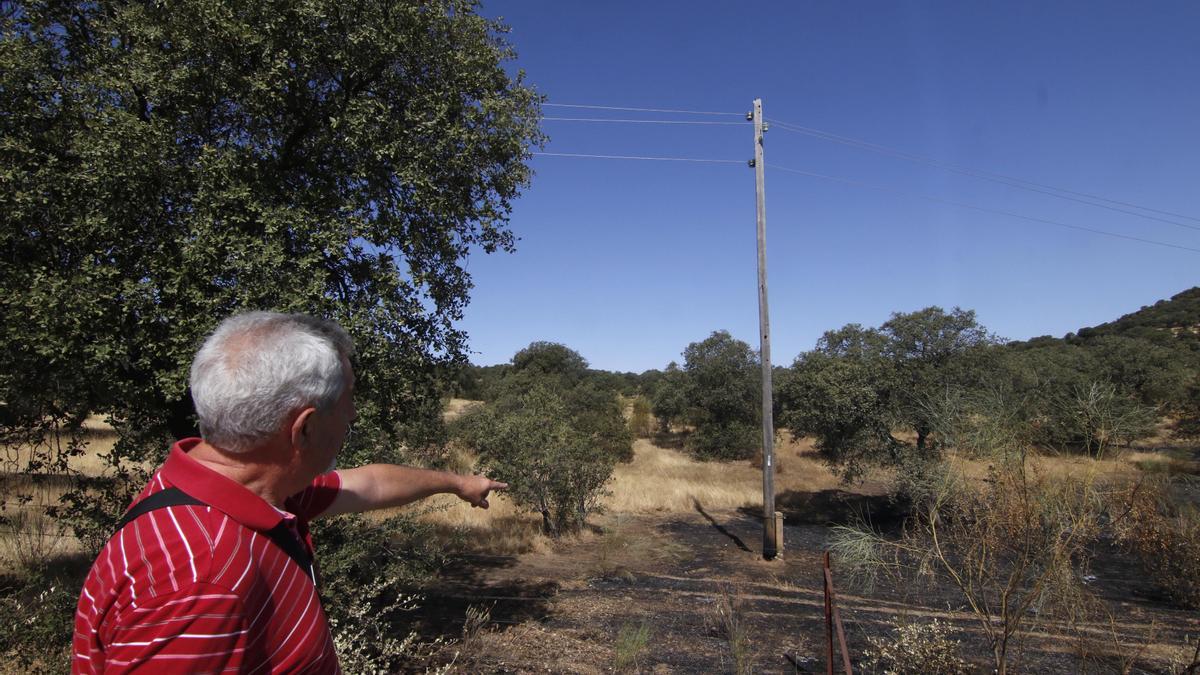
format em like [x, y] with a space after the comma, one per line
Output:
[475, 489]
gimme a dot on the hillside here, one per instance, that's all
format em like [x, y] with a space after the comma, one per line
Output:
[1178, 316]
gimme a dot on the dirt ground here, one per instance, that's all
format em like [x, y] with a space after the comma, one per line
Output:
[564, 610]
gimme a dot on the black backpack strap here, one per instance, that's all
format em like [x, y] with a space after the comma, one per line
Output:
[173, 496]
[284, 539]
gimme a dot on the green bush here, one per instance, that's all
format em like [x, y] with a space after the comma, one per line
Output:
[731, 440]
[556, 449]
[669, 398]
[631, 644]
[368, 569]
[39, 611]
[723, 397]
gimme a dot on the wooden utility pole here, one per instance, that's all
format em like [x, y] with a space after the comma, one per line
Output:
[772, 523]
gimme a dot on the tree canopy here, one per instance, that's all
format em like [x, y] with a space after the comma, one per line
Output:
[860, 384]
[165, 165]
[553, 434]
[723, 397]
[550, 358]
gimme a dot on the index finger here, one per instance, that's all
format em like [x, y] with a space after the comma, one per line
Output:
[497, 485]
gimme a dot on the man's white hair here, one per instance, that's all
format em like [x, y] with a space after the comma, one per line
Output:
[259, 367]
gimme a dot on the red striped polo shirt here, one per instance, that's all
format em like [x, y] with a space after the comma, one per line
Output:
[201, 589]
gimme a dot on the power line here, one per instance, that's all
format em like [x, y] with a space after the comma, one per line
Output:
[628, 121]
[1010, 214]
[1011, 181]
[655, 110]
[1061, 193]
[656, 159]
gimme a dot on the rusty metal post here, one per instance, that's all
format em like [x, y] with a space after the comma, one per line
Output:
[825, 577]
[833, 617]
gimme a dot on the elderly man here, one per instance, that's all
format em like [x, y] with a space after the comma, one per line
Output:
[211, 569]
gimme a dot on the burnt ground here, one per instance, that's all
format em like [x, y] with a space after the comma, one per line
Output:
[562, 611]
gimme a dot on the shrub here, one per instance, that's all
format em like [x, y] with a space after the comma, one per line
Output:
[39, 612]
[1165, 536]
[669, 398]
[730, 440]
[1096, 416]
[366, 568]
[916, 649]
[641, 422]
[556, 450]
[731, 623]
[1014, 548]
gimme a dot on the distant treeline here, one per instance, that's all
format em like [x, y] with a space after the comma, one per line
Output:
[867, 393]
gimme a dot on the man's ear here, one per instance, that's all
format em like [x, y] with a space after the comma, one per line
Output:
[301, 431]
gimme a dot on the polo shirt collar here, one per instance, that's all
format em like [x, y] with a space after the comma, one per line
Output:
[221, 493]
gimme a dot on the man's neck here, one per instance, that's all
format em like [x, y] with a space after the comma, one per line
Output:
[264, 470]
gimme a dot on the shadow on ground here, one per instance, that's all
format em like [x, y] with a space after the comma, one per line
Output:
[883, 513]
[471, 580]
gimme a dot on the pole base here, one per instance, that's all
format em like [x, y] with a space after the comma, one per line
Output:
[773, 537]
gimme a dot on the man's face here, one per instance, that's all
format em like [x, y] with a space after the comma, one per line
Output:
[329, 429]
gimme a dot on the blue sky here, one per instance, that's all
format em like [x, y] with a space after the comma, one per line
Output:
[629, 261]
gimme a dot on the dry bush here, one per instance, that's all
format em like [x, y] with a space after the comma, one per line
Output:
[1164, 534]
[641, 420]
[35, 636]
[1014, 545]
[29, 539]
[1013, 548]
[1186, 659]
[916, 649]
[731, 622]
[475, 620]
[1107, 646]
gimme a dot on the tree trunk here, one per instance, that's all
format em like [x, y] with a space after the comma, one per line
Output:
[1000, 656]
[548, 525]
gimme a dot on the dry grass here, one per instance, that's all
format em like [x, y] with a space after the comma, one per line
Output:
[664, 480]
[456, 407]
[98, 438]
[658, 480]
[501, 529]
[28, 537]
[1170, 464]
[621, 549]
[1064, 466]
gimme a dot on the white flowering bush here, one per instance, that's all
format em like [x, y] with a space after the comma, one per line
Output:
[916, 649]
